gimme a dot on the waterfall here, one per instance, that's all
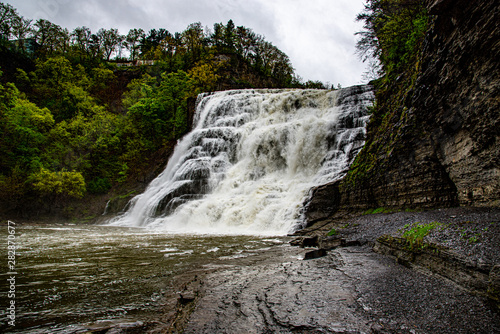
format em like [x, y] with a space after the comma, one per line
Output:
[249, 162]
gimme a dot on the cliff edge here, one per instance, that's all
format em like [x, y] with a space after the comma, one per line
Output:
[434, 140]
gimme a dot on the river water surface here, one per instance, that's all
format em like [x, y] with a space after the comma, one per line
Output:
[70, 276]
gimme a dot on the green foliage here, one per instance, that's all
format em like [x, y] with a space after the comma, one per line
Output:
[54, 73]
[33, 145]
[99, 186]
[377, 210]
[386, 210]
[47, 183]
[101, 78]
[24, 130]
[400, 35]
[393, 35]
[62, 88]
[474, 239]
[138, 89]
[73, 122]
[204, 75]
[416, 232]
[332, 232]
[472, 234]
[160, 111]
[394, 31]
[88, 144]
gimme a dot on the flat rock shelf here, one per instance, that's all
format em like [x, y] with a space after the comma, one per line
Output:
[350, 290]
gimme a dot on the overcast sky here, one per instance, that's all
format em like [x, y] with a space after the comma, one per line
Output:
[317, 35]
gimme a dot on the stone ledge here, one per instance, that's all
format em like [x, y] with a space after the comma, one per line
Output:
[326, 243]
[481, 280]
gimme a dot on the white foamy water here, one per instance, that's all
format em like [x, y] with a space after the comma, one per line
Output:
[251, 159]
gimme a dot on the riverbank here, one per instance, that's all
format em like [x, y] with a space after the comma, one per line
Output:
[350, 290]
[266, 286]
[472, 233]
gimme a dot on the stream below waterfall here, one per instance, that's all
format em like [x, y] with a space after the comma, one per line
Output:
[70, 277]
[235, 182]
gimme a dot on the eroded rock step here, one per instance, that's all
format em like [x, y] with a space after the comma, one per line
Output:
[350, 290]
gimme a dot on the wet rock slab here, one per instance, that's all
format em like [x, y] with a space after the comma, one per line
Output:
[350, 290]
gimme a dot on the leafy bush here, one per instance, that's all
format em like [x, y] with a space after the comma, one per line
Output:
[416, 232]
[48, 183]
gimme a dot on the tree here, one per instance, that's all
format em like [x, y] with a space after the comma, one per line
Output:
[204, 75]
[161, 114]
[51, 37]
[169, 45]
[87, 143]
[138, 89]
[174, 91]
[229, 36]
[281, 68]
[41, 32]
[246, 41]
[54, 184]
[53, 73]
[62, 88]
[150, 42]
[133, 40]
[109, 41]
[217, 36]
[81, 38]
[193, 39]
[95, 46]
[101, 79]
[24, 127]
[8, 15]
[20, 29]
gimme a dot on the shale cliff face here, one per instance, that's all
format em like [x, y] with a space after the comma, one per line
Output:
[457, 96]
[441, 147]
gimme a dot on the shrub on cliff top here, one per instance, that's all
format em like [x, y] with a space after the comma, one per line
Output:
[394, 30]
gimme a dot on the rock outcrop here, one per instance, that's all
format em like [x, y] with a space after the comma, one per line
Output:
[440, 148]
[480, 279]
[457, 96]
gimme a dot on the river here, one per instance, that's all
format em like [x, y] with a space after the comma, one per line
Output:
[245, 169]
[70, 277]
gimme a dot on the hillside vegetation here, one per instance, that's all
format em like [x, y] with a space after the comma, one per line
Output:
[78, 121]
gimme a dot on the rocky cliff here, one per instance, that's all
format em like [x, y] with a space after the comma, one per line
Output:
[437, 144]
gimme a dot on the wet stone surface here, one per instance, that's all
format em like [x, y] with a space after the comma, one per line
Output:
[351, 290]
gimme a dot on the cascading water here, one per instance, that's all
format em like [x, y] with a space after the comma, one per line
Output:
[249, 162]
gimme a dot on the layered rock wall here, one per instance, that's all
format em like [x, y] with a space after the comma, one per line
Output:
[457, 96]
[441, 147]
